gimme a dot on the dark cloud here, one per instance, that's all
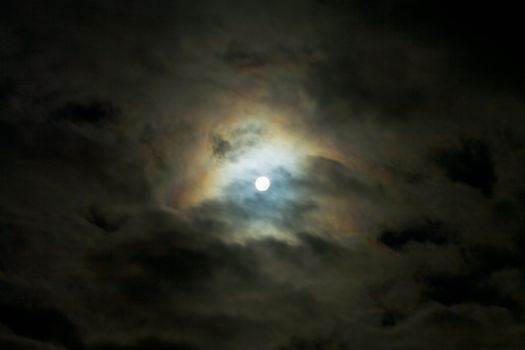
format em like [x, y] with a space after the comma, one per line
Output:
[463, 289]
[153, 344]
[471, 164]
[94, 112]
[108, 224]
[41, 324]
[431, 231]
[220, 146]
[7, 89]
[240, 56]
[394, 215]
[362, 79]
[322, 343]
[484, 52]
[234, 143]
[335, 179]
[15, 343]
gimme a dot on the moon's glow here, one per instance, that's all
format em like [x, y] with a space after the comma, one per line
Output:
[262, 183]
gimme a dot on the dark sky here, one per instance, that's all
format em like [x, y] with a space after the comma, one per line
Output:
[131, 133]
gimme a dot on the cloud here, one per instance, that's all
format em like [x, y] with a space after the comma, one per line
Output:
[393, 219]
[472, 165]
[240, 57]
[432, 232]
[491, 58]
[94, 113]
[153, 344]
[42, 324]
[24, 344]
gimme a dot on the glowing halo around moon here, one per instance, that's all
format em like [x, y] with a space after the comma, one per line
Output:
[258, 145]
[262, 183]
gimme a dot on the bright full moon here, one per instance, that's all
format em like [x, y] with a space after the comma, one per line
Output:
[262, 183]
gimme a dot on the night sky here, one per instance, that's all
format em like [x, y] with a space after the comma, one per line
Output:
[132, 132]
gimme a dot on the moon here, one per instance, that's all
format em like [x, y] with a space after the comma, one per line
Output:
[262, 183]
